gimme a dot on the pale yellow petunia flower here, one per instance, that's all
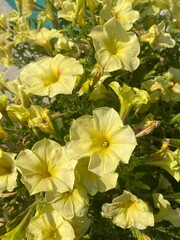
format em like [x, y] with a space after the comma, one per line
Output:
[104, 138]
[157, 37]
[176, 13]
[122, 11]
[8, 171]
[49, 226]
[40, 118]
[68, 9]
[43, 37]
[167, 159]
[51, 76]
[115, 48]
[166, 87]
[15, 87]
[128, 211]
[166, 212]
[70, 204]
[80, 225]
[3, 133]
[92, 182]
[129, 97]
[46, 168]
[17, 113]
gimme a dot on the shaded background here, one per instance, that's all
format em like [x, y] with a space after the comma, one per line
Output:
[12, 71]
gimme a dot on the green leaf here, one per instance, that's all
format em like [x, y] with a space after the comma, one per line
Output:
[19, 231]
[136, 233]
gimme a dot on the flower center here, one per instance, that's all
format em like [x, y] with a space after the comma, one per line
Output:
[5, 170]
[46, 174]
[129, 204]
[53, 77]
[105, 144]
[100, 142]
[53, 234]
[113, 49]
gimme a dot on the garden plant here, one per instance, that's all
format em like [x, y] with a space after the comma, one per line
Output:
[89, 127]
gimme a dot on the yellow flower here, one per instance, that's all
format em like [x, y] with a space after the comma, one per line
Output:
[172, 93]
[99, 92]
[166, 159]
[128, 211]
[49, 226]
[43, 36]
[176, 13]
[26, 7]
[6, 54]
[92, 182]
[18, 113]
[95, 79]
[51, 76]
[70, 204]
[63, 44]
[166, 212]
[21, 31]
[129, 97]
[75, 11]
[46, 168]
[163, 4]
[8, 172]
[157, 37]
[80, 225]
[166, 87]
[104, 138]
[39, 118]
[115, 48]
[3, 133]
[17, 89]
[3, 102]
[137, 2]
[67, 11]
[122, 11]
